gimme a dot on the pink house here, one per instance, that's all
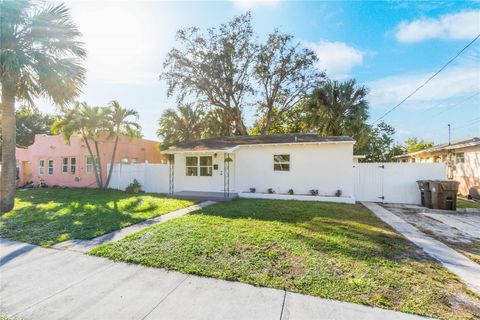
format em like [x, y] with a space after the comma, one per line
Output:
[51, 160]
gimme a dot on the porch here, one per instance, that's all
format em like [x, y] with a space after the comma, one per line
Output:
[203, 196]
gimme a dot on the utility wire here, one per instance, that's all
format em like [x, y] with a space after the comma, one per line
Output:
[428, 80]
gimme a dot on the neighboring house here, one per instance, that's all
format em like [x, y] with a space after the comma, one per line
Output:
[234, 165]
[49, 159]
[462, 158]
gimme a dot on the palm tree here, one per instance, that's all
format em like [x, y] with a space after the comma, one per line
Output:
[120, 125]
[339, 108]
[40, 55]
[181, 125]
[91, 123]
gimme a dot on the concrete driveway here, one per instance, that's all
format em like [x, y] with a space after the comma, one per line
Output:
[39, 283]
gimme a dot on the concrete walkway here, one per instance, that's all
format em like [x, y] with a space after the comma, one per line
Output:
[468, 223]
[86, 245]
[39, 283]
[467, 270]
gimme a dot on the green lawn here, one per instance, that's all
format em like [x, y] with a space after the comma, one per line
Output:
[463, 203]
[50, 215]
[334, 251]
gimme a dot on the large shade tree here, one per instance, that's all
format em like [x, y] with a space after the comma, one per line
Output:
[40, 55]
[284, 73]
[214, 67]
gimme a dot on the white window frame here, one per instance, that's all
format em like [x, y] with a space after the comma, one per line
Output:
[64, 165]
[191, 166]
[200, 166]
[41, 167]
[73, 165]
[281, 163]
[89, 166]
[51, 167]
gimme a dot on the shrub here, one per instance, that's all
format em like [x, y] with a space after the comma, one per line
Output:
[253, 190]
[314, 192]
[338, 193]
[270, 190]
[134, 187]
[290, 191]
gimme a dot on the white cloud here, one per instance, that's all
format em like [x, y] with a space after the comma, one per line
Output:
[457, 81]
[252, 4]
[463, 25]
[336, 58]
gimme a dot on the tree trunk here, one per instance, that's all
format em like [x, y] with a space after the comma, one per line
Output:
[97, 178]
[111, 162]
[8, 171]
[99, 163]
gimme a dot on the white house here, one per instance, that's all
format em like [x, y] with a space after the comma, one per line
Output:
[462, 158]
[248, 166]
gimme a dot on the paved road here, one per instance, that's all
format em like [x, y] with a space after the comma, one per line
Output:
[467, 270]
[39, 283]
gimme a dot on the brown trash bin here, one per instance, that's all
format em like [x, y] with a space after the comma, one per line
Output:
[425, 193]
[444, 194]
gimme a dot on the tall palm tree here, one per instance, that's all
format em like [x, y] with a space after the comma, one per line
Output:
[120, 125]
[339, 108]
[91, 123]
[40, 55]
[181, 125]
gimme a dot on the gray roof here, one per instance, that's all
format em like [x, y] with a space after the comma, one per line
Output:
[464, 143]
[226, 143]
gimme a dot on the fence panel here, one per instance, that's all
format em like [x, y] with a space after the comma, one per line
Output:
[152, 177]
[393, 182]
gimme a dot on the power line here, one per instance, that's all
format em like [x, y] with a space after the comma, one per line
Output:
[428, 80]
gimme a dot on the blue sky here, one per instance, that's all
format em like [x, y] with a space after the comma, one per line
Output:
[391, 47]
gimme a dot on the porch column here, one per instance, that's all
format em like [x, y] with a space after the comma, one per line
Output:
[226, 175]
[171, 174]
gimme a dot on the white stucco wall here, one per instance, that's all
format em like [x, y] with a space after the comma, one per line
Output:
[213, 183]
[326, 167]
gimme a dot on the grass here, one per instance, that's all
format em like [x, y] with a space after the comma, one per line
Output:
[48, 216]
[464, 203]
[333, 251]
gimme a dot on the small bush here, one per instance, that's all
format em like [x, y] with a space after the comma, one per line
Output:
[338, 193]
[314, 192]
[290, 192]
[134, 187]
[270, 190]
[253, 190]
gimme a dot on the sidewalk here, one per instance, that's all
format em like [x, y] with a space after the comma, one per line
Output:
[467, 270]
[39, 283]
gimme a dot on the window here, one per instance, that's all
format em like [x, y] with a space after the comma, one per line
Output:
[89, 164]
[73, 165]
[64, 165]
[192, 166]
[41, 167]
[460, 158]
[281, 162]
[206, 166]
[50, 167]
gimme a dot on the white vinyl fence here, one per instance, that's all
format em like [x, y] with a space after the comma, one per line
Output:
[152, 177]
[393, 182]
